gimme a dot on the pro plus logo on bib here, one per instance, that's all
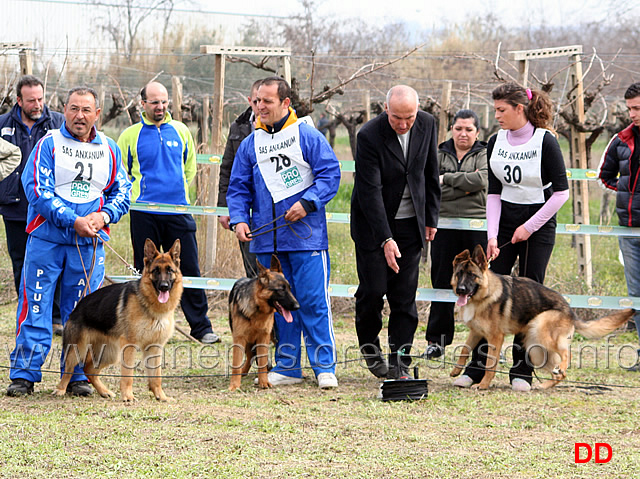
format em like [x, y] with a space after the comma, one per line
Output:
[280, 160]
[81, 169]
[290, 175]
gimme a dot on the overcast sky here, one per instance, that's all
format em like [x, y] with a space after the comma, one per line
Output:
[429, 13]
[62, 23]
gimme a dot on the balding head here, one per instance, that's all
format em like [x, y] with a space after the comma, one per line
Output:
[402, 108]
[155, 102]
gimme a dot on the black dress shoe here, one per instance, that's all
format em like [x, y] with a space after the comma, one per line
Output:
[377, 365]
[20, 387]
[434, 350]
[399, 372]
[80, 388]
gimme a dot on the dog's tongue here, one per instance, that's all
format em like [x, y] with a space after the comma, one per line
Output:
[462, 300]
[163, 296]
[286, 314]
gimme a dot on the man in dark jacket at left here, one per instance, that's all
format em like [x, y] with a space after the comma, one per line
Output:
[27, 122]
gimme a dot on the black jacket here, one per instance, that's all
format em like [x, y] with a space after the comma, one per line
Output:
[382, 173]
[13, 202]
[619, 158]
[238, 131]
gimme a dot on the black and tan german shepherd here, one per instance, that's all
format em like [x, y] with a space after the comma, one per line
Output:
[112, 323]
[252, 304]
[494, 305]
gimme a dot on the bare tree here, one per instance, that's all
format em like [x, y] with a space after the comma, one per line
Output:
[122, 21]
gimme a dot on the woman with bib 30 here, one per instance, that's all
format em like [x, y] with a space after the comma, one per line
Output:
[527, 186]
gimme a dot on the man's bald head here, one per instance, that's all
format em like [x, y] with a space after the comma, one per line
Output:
[155, 102]
[402, 108]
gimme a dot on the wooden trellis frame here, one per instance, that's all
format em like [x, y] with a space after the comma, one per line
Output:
[219, 52]
[578, 159]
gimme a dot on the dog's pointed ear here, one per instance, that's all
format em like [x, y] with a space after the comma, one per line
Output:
[175, 252]
[275, 264]
[479, 257]
[460, 257]
[261, 269]
[150, 251]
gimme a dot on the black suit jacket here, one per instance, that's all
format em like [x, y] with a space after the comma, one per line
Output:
[382, 173]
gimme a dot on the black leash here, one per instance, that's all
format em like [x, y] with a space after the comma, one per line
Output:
[253, 233]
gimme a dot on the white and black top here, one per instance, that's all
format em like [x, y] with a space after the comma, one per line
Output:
[525, 176]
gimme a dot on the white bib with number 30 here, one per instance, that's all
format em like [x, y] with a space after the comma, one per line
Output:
[519, 168]
[283, 168]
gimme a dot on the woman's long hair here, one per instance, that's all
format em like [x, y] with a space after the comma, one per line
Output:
[538, 109]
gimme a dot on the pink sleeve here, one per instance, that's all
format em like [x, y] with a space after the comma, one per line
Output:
[549, 209]
[494, 207]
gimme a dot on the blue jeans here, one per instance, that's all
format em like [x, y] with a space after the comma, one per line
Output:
[630, 247]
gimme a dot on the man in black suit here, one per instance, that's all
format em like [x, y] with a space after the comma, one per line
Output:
[394, 212]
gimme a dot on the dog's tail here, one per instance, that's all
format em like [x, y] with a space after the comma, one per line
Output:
[599, 327]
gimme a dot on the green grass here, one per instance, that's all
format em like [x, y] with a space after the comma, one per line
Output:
[300, 431]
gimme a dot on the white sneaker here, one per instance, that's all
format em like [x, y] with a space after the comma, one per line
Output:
[463, 381]
[520, 386]
[327, 381]
[277, 379]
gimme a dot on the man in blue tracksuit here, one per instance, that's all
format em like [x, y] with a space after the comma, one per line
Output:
[76, 185]
[286, 167]
[27, 122]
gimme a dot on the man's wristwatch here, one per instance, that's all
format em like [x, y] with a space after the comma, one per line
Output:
[385, 242]
[106, 217]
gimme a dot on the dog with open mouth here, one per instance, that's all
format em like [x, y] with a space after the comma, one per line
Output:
[494, 305]
[252, 304]
[112, 323]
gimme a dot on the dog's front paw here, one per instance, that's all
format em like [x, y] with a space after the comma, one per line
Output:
[129, 398]
[455, 372]
[59, 392]
[480, 386]
[264, 384]
[108, 394]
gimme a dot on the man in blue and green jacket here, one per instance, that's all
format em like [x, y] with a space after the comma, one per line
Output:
[160, 156]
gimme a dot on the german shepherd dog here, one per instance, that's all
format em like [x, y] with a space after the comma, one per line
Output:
[494, 305]
[252, 304]
[113, 322]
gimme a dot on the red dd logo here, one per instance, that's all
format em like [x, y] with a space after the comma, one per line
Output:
[589, 452]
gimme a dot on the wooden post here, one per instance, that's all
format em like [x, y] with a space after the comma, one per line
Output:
[204, 124]
[211, 222]
[101, 96]
[367, 106]
[580, 189]
[26, 61]
[485, 116]
[523, 72]
[445, 100]
[176, 98]
[284, 68]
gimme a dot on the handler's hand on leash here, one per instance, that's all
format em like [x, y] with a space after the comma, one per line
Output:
[295, 213]
[391, 252]
[242, 229]
[88, 226]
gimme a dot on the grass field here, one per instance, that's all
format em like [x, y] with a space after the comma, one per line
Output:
[300, 431]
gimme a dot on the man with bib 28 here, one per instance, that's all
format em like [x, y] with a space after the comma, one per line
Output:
[76, 185]
[285, 173]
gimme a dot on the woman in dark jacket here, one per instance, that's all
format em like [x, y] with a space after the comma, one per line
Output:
[463, 178]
